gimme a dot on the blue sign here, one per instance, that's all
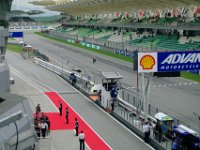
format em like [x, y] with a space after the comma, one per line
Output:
[34, 27]
[128, 54]
[122, 52]
[117, 51]
[16, 34]
[178, 61]
[43, 27]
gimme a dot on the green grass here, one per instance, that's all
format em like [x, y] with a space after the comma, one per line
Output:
[186, 75]
[90, 49]
[15, 48]
[190, 76]
[11, 39]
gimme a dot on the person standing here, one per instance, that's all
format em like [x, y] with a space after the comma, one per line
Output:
[67, 115]
[82, 140]
[44, 128]
[76, 126]
[146, 129]
[60, 108]
[175, 145]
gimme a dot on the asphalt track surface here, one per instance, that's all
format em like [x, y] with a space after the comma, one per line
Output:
[175, 96]
[28, 74]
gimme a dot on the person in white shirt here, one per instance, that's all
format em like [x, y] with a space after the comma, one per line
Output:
[146, 129]
[44, 128]
[82, 140]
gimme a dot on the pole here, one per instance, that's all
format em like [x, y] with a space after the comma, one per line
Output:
[62, 64]
[137, 97]
[148, 92]
[144, 98]
[198, 117]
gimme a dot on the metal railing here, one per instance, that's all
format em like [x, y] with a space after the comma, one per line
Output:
[159, 139]
[152, 110]
[177, 26]
[120, 111]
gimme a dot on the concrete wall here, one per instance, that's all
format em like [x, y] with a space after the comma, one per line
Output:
[4, 77]
[26, 133]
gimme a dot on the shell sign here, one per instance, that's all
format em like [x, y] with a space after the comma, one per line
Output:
[147, 62]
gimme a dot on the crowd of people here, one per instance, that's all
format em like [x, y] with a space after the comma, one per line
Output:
[41, 123]
[76, 125]
[162, 133]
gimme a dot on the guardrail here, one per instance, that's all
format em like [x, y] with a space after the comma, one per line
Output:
[122, 110]
[178, 26]
[82, 82]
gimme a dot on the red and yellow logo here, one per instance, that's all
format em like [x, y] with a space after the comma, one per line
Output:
[147, 62]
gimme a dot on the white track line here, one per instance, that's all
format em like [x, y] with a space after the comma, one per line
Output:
[28, 80]
[112, 118]
[84, 121]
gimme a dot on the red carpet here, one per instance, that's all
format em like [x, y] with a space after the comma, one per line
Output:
[59, 123]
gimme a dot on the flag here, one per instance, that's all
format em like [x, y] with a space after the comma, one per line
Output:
[121, 14]
[172, 12]
[127, 14]
[196, 10]
[183, 11]
[151, 13]
[140, 13]
[157, 13]
[162, 13]
[116, 14]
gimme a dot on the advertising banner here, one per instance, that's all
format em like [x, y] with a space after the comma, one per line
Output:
[16, 34]
[168, 61]
[128, 54]
[147, 62]
[178, 61]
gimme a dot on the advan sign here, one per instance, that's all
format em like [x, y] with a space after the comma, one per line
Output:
[168, 61]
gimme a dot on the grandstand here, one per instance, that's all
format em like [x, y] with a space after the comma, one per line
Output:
[151, 26]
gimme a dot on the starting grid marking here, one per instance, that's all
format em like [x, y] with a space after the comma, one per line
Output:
[169, 85]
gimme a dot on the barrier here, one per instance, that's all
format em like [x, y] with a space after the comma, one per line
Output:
[124, 108]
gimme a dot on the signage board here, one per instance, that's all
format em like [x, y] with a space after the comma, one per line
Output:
[147, 62]
[178, 61]
[16, 34]
[168, 61]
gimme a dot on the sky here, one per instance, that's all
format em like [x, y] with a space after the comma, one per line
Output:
[24, 5]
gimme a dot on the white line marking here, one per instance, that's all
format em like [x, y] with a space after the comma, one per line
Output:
[84, 121]
[85, 142]
[94, 105]
[28, 80]
[112, 117]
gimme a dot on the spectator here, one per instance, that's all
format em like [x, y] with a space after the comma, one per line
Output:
[99, 94]
[158, 131]
[44, 128]
[94, 59]
[146, 129]
[164, 129]
[38, 128]
[82, 140]
[175, 145]
[60, 108]
[38, 109]
[76, 126]
[67, 115]
[48, 123]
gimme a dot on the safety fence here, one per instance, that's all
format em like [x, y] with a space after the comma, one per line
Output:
[178, 26]
[84, 85]
[132, 99]
[160, 141]
[83, 82]
[104, 44]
